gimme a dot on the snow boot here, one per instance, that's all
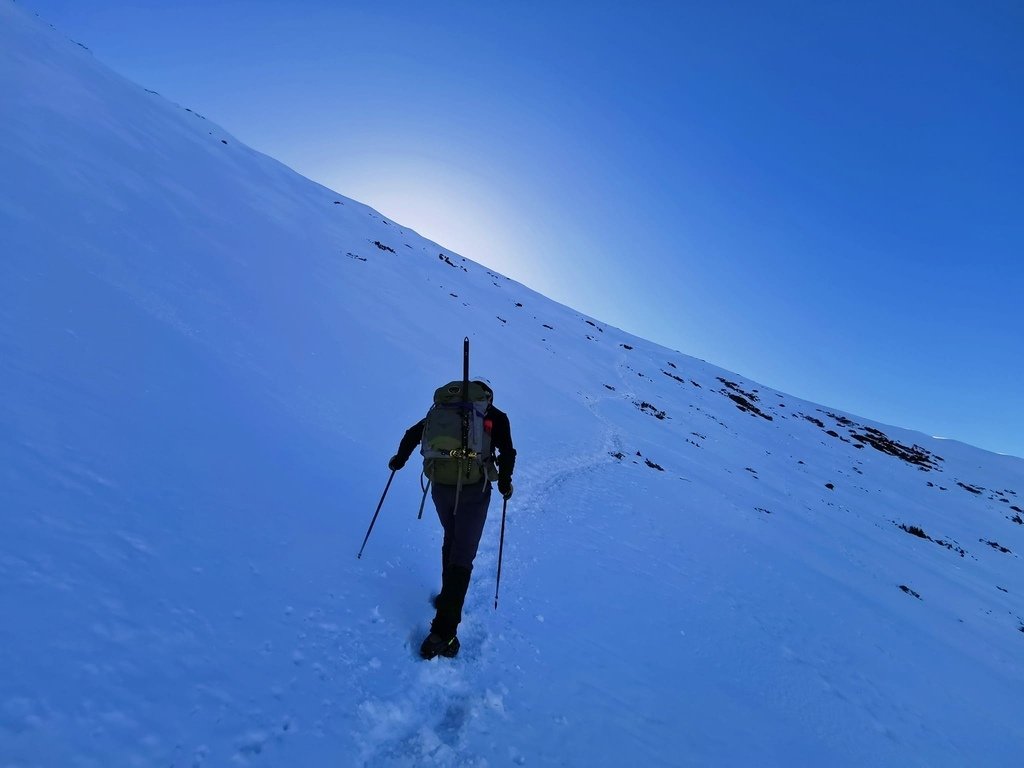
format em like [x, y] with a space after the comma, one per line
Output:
[436, 645]
[449, 609]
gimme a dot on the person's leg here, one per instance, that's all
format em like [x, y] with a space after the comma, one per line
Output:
[446, 547]
[463, 528]
[443, 497]
[446, 553]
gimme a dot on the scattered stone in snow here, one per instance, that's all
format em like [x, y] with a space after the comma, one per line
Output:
[646, 407]
[919, 532]
[915, 454]
[995, 545]
[743, 400]
[915, 530]
[450, 263]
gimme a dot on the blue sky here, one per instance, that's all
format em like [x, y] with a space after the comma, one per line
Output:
[825, 197]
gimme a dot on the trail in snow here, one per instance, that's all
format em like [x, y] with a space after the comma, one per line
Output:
[447, 712]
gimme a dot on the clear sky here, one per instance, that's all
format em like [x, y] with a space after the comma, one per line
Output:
[825, 197]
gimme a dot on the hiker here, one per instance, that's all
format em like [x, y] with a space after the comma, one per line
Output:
[460, 489]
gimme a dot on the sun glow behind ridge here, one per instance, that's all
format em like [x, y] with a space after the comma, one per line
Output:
[457, 208]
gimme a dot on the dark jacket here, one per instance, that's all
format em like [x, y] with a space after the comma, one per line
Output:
[501, 441]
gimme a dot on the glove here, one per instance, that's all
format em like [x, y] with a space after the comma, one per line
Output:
[396, 463]
[505, 487]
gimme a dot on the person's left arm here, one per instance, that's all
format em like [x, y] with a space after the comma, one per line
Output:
[501, 439]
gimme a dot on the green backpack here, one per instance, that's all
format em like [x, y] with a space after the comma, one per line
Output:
[441, 447]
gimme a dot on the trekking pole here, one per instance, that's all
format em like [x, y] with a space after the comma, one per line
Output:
[501, 548]
[424, 499]
[374, 520]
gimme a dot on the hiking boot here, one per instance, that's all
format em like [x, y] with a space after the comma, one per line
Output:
[436, 645]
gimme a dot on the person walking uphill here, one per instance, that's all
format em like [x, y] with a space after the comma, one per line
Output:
[458, 439]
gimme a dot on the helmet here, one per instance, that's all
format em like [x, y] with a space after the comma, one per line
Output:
[486, 384]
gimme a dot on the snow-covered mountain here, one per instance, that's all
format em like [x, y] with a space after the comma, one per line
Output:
[206, 361]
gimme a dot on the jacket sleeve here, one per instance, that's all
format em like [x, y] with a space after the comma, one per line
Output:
[412, 438]
[501, 439]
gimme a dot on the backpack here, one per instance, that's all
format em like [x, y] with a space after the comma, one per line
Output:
[441, 445]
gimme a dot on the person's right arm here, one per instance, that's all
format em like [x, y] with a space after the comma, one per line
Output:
[412, 438]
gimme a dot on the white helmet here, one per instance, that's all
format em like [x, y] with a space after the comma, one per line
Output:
[486, 383]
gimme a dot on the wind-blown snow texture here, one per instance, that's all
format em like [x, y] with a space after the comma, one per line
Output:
[205, 363]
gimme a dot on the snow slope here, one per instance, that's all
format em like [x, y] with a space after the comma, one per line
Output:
[205, 363]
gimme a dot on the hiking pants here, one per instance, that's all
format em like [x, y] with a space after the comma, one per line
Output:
[463, 526]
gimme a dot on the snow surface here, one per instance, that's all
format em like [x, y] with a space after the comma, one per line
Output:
[206, 362]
